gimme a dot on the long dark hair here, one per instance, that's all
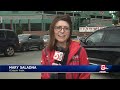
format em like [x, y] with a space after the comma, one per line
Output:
[52, 41]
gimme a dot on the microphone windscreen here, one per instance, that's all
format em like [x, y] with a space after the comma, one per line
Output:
[58, 56]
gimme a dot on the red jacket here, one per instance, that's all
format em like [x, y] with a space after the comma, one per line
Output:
[73, 48]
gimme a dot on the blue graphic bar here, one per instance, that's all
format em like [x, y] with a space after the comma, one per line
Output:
[42, 68]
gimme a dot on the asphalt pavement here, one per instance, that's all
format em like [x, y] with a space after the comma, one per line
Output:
[33, 58]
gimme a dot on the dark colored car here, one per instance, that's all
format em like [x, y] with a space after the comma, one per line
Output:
[103, 46]
[29, 41]
[9, 42]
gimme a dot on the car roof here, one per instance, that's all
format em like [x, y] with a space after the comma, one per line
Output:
[24, 34]
[28, 34]
[46, 35]
[111, 28]
[6, 30]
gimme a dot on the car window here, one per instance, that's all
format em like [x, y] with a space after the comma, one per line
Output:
[96, 37]
[21, 36]
[35, 37]
[11, 34]
[114, 36]
[2, 35]
[46, 37]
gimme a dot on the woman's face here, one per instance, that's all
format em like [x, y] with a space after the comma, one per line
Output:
[62, 31]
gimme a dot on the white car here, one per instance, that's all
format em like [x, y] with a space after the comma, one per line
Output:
[46, 39]
[75, 38]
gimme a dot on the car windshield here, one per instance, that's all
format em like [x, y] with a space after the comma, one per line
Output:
[46, 37]
[22, 37]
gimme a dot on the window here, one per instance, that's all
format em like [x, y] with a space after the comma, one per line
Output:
[49, 12]
[85, 21]
[25, 27]
[35, 37]
[10, 34]
[99, 17]
[0, 25]
[7, 26]
[15, 12]
[2, 36]
[36, 26]
[96, 37]
[92, 16]
[47, 26]
[114, 37]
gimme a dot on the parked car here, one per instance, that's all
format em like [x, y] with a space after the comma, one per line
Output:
[103, 46]
[29, 41]
[75, 38]
[9, 42]
[46, 39]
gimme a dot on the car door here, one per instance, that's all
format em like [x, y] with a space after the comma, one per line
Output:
[11, 38]
[34, 40]
[2, 40]
[30, 41]
[37, 40]
[112, 45]
[94, 47]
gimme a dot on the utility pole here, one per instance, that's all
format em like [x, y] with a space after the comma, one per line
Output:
[42, 21]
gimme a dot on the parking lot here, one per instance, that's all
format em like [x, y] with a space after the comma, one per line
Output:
[33, 58]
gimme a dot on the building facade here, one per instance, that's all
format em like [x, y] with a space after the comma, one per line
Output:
[38, 22]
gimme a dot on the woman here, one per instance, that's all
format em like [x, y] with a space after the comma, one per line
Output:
[60, 33]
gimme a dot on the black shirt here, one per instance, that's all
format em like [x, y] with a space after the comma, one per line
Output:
[64, 61]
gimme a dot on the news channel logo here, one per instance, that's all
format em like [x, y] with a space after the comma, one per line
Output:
[58, 56]
[103, 69]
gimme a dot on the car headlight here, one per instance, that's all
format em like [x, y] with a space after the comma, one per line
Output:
[45, 40]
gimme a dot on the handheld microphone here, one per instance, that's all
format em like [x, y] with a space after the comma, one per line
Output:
[58, 56]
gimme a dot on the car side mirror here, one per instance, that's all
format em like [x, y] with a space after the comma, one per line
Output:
[29, 38]
[89, 42]
[82, 39]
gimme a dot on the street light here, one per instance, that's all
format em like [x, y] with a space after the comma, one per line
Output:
[111, 12]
